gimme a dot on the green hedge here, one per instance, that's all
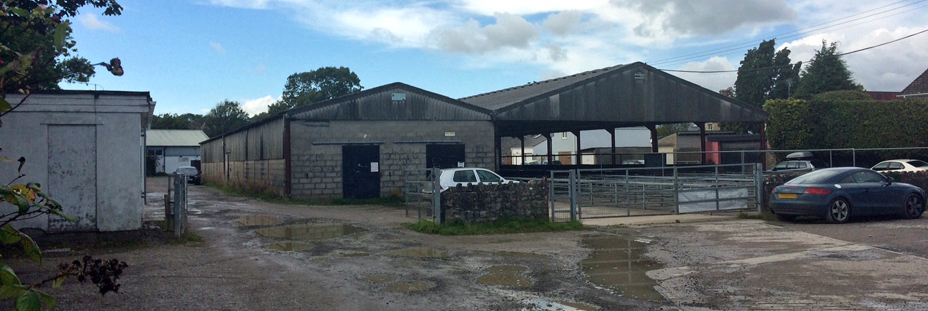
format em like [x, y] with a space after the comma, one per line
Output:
[835, 122]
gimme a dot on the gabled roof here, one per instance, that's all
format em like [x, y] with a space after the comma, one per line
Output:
[174, 138]
[395, 101]
[918, 86]
[505, 97]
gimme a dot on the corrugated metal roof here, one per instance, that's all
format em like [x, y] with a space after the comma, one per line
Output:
[505, 97]
[175, 138]
[379, 103]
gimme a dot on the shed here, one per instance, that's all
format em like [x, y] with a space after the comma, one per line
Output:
[358, 146]
[169, 149]
[86, 149]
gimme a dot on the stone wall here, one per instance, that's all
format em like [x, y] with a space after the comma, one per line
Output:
[317, 150]
[483, 203]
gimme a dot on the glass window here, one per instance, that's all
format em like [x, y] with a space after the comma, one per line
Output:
[896, 166]
[781, 166]
[881, 166]
[868, 177]
[464, 176]
[814, 177]
[803, 165]
[918, 163]
[848, 180]
[819, 164]
[488, 176]
[793, 165]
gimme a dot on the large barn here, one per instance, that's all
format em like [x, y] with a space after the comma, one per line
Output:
[360, 145]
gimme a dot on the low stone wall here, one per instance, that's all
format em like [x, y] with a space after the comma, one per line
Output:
[484, 203]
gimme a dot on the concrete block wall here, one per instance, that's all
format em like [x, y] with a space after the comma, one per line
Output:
[317, 150]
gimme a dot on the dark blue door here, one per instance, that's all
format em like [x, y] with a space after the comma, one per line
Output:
[361, 172]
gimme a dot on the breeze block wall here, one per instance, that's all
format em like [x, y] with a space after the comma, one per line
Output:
[485, 203]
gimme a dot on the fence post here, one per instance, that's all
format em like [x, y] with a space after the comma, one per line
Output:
[572, 194]
[551, 196]
[717, 205]
[676, 192]
[436, 195]
[180, 204]
[854, 157]
[759, 184]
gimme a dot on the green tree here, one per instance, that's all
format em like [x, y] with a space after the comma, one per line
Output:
[318, 85]
[665, 130]
[168, 121]
[764, 74]
[826, 72]
[37, 43]
[226, 116]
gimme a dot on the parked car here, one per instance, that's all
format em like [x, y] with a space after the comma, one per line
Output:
[192, 174]
[837, 194]
[901, 165]
[799, 162]
[452, 177]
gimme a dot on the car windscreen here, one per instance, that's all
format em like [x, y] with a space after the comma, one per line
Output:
[814, 177]
[918, 163]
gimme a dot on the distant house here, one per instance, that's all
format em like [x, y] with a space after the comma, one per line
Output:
[85, 148]
[721, 147]
[169, 149]
[918, 87]
[564, 144]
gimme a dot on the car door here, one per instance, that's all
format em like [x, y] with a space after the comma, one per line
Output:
[878, 196]
[857, 195]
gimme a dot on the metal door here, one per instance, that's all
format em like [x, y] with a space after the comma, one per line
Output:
[361, 172]
[444, 155]
[72, 176]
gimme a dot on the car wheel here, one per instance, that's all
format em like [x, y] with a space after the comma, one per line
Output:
[838, 212]
[782, 217]
[914, 206]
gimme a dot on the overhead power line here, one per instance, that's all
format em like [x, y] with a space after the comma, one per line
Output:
[773, 67]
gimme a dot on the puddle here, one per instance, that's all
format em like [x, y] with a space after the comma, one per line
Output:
[410, 286]
[547, 305]
[377, 278]
[617, 263]
[508, 275]
[509, 254]
[257, 220]
[289, 246]
[419, 252]
[311, 232]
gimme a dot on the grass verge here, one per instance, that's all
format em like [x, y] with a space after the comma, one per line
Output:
[271, 197]
[503, 225]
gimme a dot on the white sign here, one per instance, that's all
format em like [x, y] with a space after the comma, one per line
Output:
[460, 164]
[375, 167]
[449, 134]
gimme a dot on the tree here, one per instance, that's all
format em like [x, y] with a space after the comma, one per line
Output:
[226, 116]
[37, 47]
[306, 88]
[167, 121]
[826, 72]
[764, 74]
[665, 130]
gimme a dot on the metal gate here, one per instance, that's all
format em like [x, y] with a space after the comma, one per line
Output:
[598, 193]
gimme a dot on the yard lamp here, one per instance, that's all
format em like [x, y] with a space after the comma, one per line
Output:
[114, 66]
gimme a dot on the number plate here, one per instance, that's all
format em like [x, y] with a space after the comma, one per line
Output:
[786, 195]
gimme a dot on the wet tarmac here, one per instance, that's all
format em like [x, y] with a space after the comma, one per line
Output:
[506, 275]
[309, 232]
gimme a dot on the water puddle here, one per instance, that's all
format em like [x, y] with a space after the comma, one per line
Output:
[257, 220]
[377, 278]
[617, 263]
[310, 232]
[410, 286]
[419, 252]
[289, 246]
[507, 275]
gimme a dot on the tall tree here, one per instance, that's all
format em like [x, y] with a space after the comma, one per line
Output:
[314, 86]
[765, 73]
[168, 121]
[826, 72]
[226, 116]
[37, 47]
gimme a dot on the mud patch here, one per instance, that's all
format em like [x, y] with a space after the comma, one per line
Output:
[257, 221]
[289, 246]
[521, 255]
[507, 275]
[308, 232]
[617, 263]
[410, 286]
[419, 252]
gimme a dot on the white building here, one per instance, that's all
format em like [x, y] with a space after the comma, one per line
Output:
[86, 149]
[170, 149]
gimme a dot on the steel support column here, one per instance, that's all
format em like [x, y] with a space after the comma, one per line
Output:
[702, 142]
[612, 134]
[579, 157]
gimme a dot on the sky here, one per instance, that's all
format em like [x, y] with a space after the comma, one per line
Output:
[193, 54]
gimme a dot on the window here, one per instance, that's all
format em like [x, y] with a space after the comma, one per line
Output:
[487, 176]
[710, 126]
[848, 180]
[918, 163]
[868, 177]
[802, 165]
[781, 166]
[793, 165]
[896, 166]
[464, 176]
[881, 166]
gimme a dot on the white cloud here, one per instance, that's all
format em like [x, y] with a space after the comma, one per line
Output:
[256, 106]
[91, 21]
[217, 47]
[563, 23]
[510, 31]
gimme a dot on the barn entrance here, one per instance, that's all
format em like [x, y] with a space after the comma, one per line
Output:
[444, 155]
[361, 172]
